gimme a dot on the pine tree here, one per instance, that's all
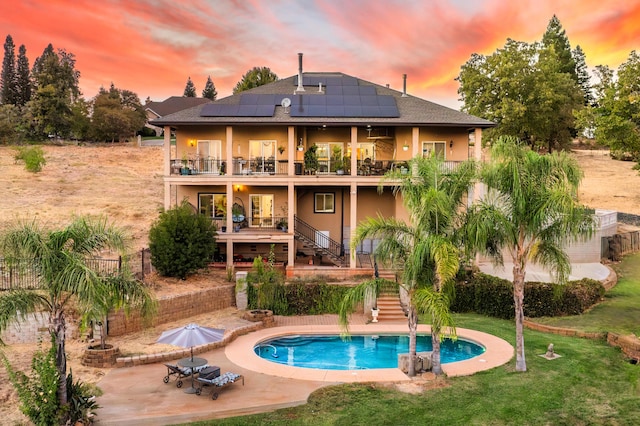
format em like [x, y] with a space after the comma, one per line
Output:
[8, 76]
[23, 78]
[555, 39]
[190, 89]
[582, 73]
[209, 91]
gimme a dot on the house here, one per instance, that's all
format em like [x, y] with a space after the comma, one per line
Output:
[170, 105]
[297, 163]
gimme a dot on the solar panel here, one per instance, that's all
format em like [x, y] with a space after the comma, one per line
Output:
[343, 97]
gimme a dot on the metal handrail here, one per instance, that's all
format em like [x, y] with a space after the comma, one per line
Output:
[320, 241]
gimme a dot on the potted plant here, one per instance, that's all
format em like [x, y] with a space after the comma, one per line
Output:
[311, 159]
[374, 314]
[337, 162]
[283, 224]
[185, 164]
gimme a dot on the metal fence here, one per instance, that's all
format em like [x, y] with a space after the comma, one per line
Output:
[24, 274]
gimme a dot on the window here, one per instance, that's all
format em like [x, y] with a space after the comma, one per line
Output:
[434, 148]
[324, 202]
[212, 205]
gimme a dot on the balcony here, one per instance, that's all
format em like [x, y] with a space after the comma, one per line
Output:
[260, 225]
[272, 167]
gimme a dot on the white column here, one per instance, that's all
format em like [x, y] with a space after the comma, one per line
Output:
[415, 141]
[291, 253]
[354, 151]
[229, 150]
[353, 221]
[167, 166]
[291, 152]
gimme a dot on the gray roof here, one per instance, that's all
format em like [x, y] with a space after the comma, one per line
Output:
[413, 111]
[174, 104]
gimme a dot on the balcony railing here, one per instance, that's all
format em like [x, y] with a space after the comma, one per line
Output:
[253, 224]
[269, 167]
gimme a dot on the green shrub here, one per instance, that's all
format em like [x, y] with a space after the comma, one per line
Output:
[81, 399]
[181, 241]
[493, 296]
[266, 289]
[38, 392]
[33, 157]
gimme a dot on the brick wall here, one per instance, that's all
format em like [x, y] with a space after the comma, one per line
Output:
[173, 308]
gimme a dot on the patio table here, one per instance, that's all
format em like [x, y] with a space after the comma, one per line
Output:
[192, 363]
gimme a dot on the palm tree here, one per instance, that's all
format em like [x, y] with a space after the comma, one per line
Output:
[530, 213]
[425, 249]
[61, 258]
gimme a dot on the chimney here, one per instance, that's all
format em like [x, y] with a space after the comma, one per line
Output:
[404, 85]
[300, 86]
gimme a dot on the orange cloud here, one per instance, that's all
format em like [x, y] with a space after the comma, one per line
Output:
[152, 46]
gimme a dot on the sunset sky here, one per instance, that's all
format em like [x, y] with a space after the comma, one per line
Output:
[151, 46]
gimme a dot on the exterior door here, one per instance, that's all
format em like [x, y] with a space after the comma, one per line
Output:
[261, 206]
[209, 155]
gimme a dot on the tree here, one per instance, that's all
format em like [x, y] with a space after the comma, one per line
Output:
[189, 89]
[55, 81]
[209, 91]
[181, 241]
[530, 90]
[257, 76]
[23, 78]
[616, 115]
[117, 114]
[425, 249]
[8, 93]
[62, 259]
[582, 75]
[530, 213]
[555, 40]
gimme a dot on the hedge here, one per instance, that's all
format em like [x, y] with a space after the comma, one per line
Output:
[493, 296]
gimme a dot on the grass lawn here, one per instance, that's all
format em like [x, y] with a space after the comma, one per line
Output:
[591, 384]
[620, 311]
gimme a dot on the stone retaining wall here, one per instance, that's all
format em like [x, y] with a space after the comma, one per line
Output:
[171, 308]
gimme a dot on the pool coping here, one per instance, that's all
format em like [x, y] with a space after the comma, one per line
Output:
[240, 352]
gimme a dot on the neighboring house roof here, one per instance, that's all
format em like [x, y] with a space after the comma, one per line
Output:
[411, 110]
[173, 104]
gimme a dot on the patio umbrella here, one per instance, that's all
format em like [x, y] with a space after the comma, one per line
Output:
[191, 335]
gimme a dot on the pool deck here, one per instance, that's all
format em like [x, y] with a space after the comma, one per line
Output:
[138, 396]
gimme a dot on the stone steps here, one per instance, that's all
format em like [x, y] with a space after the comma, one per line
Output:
[390, 308]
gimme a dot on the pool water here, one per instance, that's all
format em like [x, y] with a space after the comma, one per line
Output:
[331, 352]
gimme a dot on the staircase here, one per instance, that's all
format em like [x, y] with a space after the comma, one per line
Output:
[390, 308]
[318, 243]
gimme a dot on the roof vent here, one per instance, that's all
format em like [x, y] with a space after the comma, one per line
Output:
[320, 87]
[300, 86]
[404, 85]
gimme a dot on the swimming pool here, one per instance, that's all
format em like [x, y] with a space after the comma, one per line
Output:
[331, 352]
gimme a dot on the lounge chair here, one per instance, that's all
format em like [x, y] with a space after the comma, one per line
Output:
[180, 373]
[217, 383]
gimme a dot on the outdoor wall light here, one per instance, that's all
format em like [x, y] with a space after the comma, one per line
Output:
[238, 188]
[405, 147]
[192, 142]
[451, 144]
[300, 146]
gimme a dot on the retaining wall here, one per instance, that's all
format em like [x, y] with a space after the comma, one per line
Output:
[171, 308]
